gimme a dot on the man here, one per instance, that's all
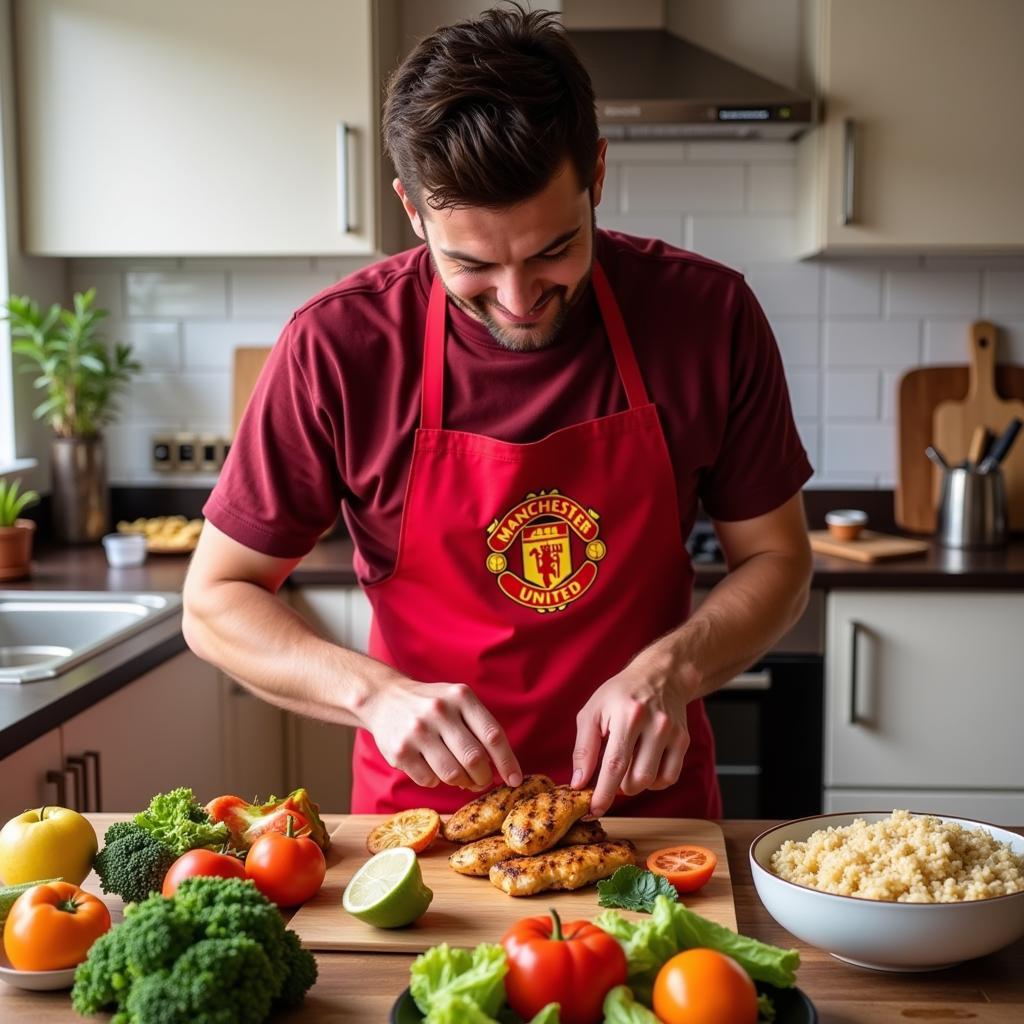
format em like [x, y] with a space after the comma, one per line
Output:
[517, 420]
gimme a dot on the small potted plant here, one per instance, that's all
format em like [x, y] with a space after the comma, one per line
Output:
[15, 534]
[81, 378]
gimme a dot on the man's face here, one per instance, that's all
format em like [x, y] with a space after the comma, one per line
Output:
[518, 270]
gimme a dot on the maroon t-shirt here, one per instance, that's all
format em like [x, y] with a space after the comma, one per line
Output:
[331, 421]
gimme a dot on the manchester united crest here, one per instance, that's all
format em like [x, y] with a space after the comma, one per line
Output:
[544, 551]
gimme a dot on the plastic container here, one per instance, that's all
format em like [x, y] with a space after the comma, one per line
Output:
[124, 549]
[846, 523]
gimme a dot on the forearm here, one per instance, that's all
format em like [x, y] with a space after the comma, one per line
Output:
[741, 618]
[254, 637]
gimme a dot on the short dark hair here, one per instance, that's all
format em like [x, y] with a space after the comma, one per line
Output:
[483, 112]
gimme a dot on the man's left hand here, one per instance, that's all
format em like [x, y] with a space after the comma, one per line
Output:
[639, 716]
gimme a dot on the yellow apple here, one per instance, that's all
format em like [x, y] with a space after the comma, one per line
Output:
[47, 842]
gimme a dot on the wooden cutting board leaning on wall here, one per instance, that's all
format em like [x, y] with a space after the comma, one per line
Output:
[921, 392]
[248, 363]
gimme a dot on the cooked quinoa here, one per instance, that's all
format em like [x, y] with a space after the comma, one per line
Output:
[904, 858]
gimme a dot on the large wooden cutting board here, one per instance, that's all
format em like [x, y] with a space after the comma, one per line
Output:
[868, 547]
[467, 911]
[921, 391]
[956, 419]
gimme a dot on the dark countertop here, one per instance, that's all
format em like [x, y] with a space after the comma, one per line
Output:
[29, 710]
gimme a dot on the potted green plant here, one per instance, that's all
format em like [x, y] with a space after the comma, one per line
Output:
[81, 378]
[15, 533]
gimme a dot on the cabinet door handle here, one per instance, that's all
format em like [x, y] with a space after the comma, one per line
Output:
[855, 628]
[94, 757]
[82, 787]
[344, 226]
[848, 214]
[60, 781]
[747, 681]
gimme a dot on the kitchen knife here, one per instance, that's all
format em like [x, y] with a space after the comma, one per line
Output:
[1002, 446]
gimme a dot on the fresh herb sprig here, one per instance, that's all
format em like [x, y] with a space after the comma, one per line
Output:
[633, 888]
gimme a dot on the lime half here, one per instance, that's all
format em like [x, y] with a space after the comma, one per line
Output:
[388, 890]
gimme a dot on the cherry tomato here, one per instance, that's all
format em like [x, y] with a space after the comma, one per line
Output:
[52, 926]
[201, 862]
[286, 868]
[703, 986]
[686, 867]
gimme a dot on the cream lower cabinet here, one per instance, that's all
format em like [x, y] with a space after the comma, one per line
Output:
[924, 700]
[920, 148]
[319, 754]
[159, 732]
[23, 776]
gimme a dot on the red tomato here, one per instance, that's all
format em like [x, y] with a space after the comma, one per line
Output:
[52, 926]
[287, 869]
[703, 986]
[201, 862]
[686, 867]
[576, 968]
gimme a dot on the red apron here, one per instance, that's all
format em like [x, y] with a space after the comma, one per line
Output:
[533, 573]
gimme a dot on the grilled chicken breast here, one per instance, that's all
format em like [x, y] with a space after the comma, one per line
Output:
[478, 857]
[568, 868]
[537, 823]
[484, 815]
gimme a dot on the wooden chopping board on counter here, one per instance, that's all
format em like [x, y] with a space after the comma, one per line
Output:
[868, 547]
[467, 911]
[921, 392]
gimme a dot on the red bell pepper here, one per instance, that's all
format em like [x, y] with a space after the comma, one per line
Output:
[575, 967]
[247, 822]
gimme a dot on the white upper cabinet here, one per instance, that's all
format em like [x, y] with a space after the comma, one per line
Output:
[921, 148]
[235, 127]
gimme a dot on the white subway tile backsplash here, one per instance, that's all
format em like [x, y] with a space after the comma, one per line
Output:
[155, 344]
[872, 343]
[129, 448]
[668, 227]
[742, 240]
[946, 341]
[934, 293]
[799, 341]
[890, 393]
[210, 345]
[803, 393]
[622, 151]
[860, 448]
[184, 398]
[1011, 341]
[1003, 293]
[740, 152]
[611, 192]
[656, 188]
[274, 296]
[852, 395]
[853, 290]
[175, 294]
[787, 290]
[809, 431]
[109, 285]
[771, 188]
[337, 267]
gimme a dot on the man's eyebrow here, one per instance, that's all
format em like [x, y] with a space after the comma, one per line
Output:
[562, 239]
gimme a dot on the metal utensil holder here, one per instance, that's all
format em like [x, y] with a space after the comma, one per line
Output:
[972, 509]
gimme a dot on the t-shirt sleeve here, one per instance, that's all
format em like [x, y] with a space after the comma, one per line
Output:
[280, 487]
[761, 462]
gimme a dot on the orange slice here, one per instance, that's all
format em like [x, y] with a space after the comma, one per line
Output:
[416, 829]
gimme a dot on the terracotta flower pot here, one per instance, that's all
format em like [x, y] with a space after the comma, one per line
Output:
[16, 549]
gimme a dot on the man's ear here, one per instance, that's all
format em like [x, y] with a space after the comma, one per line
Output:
[598, 187]
[410, 209]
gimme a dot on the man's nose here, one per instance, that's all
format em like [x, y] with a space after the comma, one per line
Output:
[518, 294]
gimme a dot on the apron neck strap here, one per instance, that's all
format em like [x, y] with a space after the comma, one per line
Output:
[432, 401]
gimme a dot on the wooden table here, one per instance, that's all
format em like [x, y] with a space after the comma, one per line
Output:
[358, 987]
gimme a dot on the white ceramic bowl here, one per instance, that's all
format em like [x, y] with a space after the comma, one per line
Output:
[36, 981]
[124, 549]
[875, 933]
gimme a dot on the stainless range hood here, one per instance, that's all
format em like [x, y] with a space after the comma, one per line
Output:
[650, 84]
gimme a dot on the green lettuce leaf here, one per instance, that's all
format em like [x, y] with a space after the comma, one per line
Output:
[620, 1007]
[444, 971]
[180, 822]
[633, 888]
[672, 927]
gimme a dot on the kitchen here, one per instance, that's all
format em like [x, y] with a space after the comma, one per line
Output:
[871, 318]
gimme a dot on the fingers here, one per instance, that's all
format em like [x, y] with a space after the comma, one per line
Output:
[647, 756]
[618, 754]
[485, 727]
[587, 749]
[672, 762]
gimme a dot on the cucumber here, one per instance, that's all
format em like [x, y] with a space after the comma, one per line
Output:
[9, 893]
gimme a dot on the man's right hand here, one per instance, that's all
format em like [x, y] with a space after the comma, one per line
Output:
[439, 732]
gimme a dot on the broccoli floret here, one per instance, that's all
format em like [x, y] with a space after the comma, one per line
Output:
[217, 952]
[132, 863]
[300, 972]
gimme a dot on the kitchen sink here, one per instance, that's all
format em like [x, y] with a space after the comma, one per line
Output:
[45, 633]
